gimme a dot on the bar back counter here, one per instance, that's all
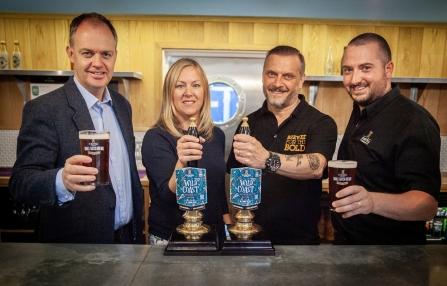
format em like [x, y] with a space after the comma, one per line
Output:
[69, 264]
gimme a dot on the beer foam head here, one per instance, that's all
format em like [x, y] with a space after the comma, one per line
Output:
[343, 164]
[92, 134]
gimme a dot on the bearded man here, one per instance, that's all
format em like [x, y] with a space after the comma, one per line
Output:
[396, 144]
[292, 142]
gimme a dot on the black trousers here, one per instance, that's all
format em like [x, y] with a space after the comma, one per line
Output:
[123, 235]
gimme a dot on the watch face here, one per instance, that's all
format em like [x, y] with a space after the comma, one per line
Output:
[273, 162]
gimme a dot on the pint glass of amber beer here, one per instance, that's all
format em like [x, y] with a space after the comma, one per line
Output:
[341, 175]
[95, 144]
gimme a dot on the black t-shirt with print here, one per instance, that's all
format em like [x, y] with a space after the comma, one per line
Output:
[290, 209]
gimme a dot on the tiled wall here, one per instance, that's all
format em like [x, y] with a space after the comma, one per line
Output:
[8, 146]
[8, 141]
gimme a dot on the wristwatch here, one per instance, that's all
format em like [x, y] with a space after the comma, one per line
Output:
[273, 162]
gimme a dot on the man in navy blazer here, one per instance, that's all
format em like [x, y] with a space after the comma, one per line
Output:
[48, 171]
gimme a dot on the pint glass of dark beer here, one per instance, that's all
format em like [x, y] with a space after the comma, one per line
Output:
[95, 144]
[341, 175]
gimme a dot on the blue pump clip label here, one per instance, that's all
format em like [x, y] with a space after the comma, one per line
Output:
[245, 188]
[191, 188]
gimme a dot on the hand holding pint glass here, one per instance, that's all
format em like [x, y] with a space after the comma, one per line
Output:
[341, 175]
[95, 144]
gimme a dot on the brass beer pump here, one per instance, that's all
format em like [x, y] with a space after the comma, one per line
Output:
[193, 229]
[244, 228]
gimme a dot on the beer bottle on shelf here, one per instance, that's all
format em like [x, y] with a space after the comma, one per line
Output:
[192, 130]
[16, 57]
[329, 64]
[245, 129]
[4, 58]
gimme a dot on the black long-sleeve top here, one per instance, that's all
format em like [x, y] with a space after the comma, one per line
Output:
[159, 156]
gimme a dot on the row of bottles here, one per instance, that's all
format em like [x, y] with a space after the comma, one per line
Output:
[436, 228]
[16, 59]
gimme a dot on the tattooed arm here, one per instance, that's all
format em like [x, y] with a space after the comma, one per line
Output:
[250, 152]
[302, 166]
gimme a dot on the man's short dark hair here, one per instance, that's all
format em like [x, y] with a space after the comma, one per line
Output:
[93, 18]
[368, 38]
[287, 51]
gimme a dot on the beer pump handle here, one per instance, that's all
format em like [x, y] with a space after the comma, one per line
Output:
[192, 130]
[245, 129]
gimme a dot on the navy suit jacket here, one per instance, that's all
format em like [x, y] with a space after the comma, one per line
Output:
[47, 138]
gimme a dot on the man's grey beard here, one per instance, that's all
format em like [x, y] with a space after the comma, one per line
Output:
[282, 104]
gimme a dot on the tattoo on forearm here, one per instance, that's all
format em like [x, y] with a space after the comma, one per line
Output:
[298, 158]
[314, 161]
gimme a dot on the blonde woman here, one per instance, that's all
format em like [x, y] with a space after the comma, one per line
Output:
[166, 147]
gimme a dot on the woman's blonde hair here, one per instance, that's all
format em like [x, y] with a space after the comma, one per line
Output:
[168, 118]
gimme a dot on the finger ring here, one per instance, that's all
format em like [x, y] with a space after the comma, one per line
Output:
[238, 151]
[360, 204]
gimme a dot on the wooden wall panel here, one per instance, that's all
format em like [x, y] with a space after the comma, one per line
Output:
[165, 31]
[432, 52]
[5, 99]
[2, 29]
[444, 65]
[418, 50]
[429, 98]
[407, 60]
[360, 29]
[405, 89]
[391, 35]
[143, 98]
[216, 32]
[333, 100]
[62, 33]
[123, 56]
[19, 29]
[291, 35]
[241, 33]
[11, 104]
[265, 34]
[43, 41]
[338, 37]
[314, 48]
[191, 32]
